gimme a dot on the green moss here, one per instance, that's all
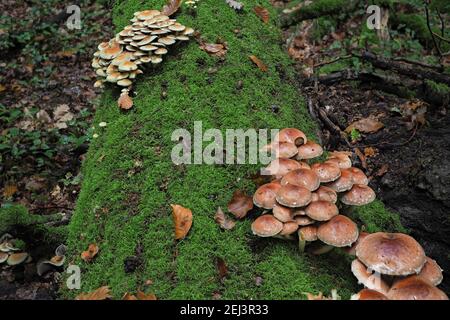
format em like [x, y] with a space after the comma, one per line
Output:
[375, 217]
[440, 89]
[122, 207]
[15, 215]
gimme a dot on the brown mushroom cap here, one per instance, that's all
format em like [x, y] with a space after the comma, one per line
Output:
[3, 256]
[358, 195]
[358, 176]
[284, 214]
[302, 177]
[368, 279]
[309, 150]
[303, 220]
[280, 167]
[344, 183]
[431, 272]
[341, 158]
[393, 254]
[308, 233]
[17, 258]
[265, 195]
[340, 231]
[284, 149]
[293, 196]
[289, 228]
[326, 194]
[321, 210]
[292, 135]
[367, 294]
[415, 288]
[352, 250]
[326, 172]
[266, 226]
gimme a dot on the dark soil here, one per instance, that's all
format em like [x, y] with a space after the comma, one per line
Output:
[408, 166]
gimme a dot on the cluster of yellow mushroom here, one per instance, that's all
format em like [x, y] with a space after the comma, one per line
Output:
[10, 254]
[304, 199]
[145, 40]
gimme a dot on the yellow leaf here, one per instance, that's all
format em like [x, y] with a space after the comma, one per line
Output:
[182, 218]
[101, 293]
[9, 191]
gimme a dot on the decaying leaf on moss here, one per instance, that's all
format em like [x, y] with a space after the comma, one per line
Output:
[182, 218]
[223, 221]
[258, 63]
[240, 204]
[90, 253]
[262, 13]
[101, 293]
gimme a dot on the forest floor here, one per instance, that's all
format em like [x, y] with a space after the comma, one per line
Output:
[47, 103]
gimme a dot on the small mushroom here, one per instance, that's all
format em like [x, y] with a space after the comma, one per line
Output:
[358, 176]
[17, 258]
[306, 234]
[431, 272]
[367, 294]
[266, 226]
[293, 196]
[344, 183]
[352, 250]
[292, 135]
[339, 231]
[309, 150]
[368, 279]
[3, 256]
[415, 288]
[302, 177]
[321, 210]
[284, 214]
[124, 83]
[289, 228]
[284, 149]
[393, 254]
[304, 220]
[280, 167]
[341, 158]
[358, 195]
[327, 172]
[265, 195]
[325, 194]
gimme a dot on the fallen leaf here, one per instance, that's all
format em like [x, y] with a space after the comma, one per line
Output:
[223, 221]
[370, 152]
[2, 88]
[262, 13]
[43, 116]
[222, 268]
[90, 253]
[9, 191]
[142, 296]
[101, 293]
[125, 102]
[259, 63]
[240, 204]
[366, 125]
[62, 115]
[171, 7]
[129, 296]
[215, 49]
[382, 171]
[361, 157]
[182, 218]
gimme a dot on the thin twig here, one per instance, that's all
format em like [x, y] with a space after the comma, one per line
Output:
[333, 61]
[427, 12]
[422, 64]
[440, 37]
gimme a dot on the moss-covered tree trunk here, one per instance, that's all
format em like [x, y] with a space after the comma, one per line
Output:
[130, 180]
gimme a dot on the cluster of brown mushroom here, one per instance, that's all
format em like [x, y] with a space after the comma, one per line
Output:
[393, 266]
[11, 255]
[302, 199]
[146, 40]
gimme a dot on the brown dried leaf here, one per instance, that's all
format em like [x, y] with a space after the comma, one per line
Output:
[262, 13]
[259, 63]
[370, 152]
[361, 157]
[240, 204]
[90, 253]
[142, 296]
[366, 125]
[129, 296]
[101, 293]
[182, 218]
[222, 268]
[215, 49]
[223, 221]
[9, 191]
[125, 102]
[171, 7]
[382, 171]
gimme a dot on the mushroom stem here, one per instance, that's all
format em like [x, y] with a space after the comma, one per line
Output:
[322, 249]
[301, 244]
[288, 237]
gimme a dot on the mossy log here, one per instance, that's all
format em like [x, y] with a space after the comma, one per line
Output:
[130, 180]
[317, 9]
